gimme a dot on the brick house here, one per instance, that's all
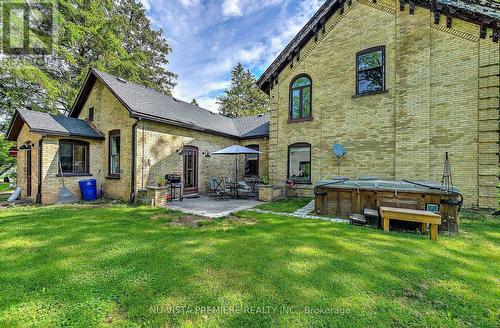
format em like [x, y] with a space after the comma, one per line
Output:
[398, 83]
[126, 136]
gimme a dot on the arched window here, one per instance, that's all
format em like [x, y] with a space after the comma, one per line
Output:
[301, 98]
[299, 162]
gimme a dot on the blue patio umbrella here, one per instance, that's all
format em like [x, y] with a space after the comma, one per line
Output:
[236, 150]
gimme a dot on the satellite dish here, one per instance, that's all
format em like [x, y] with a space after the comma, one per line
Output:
[339, 150]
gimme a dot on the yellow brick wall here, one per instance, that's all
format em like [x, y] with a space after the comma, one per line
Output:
[430, 107]
[109, 115]
[263, 144]
[52, 183]
[160, 145]
[26, 136]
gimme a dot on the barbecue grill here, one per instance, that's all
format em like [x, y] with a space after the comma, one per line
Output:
[175, 186]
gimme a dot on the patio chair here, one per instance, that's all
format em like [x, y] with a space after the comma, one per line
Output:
[221, 189]
[244, 189]
[253, 182]
[212, 190]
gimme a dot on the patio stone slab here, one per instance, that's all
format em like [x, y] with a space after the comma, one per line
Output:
[210, 207]
[302, 216]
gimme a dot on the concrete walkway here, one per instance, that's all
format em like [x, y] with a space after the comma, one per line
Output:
[210, 207]
[302, 216]
[306, 209]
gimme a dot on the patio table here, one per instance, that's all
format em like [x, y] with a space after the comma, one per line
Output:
[253, 182]
[234, 186]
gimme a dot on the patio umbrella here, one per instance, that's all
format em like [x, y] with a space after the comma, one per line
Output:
[236, 150]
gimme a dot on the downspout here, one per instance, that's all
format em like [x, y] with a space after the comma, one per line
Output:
[132, 182]
[40, 166]
[143, 155]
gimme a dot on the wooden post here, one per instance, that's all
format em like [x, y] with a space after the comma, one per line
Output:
[424, 228]
[434, 231]
[386, 224]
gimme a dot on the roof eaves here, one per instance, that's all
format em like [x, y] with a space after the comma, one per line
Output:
[180, 124]
[468, 12]
[298, 40]
[85, 81]
[66, 134]
[256, 136]
[11, 125]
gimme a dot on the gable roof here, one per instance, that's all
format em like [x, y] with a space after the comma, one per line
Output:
[57, 125]
[149, 104]
[481, 12]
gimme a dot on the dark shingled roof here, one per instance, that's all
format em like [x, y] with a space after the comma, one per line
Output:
[152, 105]
[483, 12]
[58, 125]
[252, 125]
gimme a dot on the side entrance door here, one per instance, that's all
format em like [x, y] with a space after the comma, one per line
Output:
[28, 173]
[190, 154]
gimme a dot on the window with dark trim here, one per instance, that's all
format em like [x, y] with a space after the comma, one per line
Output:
[299, 162]
[252, 162]
[91, 114]
[300, 98]
[370, 71]
[74, 157]
[114, 153]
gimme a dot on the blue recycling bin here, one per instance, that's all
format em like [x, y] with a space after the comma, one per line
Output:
[88, 187]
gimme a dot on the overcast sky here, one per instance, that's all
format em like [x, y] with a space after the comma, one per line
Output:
[209, 37]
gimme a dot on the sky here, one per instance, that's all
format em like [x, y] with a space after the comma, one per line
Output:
[209, 37]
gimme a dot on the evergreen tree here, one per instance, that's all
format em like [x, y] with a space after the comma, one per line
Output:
[194, 102]
[113, 36]
[243, 97]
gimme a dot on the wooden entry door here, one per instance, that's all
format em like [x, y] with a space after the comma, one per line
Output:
[190, 155]
[28, 173]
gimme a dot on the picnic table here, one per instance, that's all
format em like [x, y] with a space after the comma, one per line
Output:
[404, 214]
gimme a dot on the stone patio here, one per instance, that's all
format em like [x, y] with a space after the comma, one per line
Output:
[211, 207]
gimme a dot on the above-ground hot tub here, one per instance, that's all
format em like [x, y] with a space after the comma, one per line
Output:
[343, 197]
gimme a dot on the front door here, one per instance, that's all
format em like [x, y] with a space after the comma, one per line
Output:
[190, 155]
[28, 173]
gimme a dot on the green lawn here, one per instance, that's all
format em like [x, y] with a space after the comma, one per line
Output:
[285, 205]
[4, 187]
[130, 267]
[4, 191]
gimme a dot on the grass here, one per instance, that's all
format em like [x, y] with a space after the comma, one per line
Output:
[128, 267]
[285, 205]
[4, 187]
[5, 192]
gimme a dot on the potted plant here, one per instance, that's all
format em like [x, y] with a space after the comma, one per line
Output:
[160, 181]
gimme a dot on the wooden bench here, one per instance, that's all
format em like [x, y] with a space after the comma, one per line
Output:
[403, 214]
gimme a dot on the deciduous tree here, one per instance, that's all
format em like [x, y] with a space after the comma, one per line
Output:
[114, 36]
[6, 162]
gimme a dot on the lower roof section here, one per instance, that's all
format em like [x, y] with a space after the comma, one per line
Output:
[49, 124]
